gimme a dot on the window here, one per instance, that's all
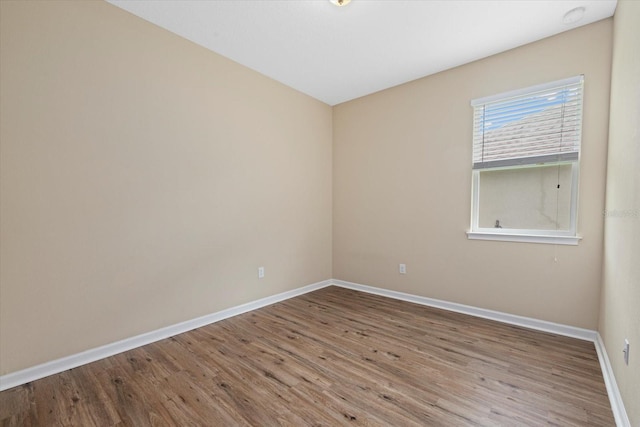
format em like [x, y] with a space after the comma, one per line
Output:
[526, 150]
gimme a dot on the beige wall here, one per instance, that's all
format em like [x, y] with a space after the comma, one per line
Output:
[402, 187]
[144, 180]
[620, 304]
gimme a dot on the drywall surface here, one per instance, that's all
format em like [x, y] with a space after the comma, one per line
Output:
[144, 180]
[402, 187]
[620, 306]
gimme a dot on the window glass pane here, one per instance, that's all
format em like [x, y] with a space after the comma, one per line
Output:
[526, 198]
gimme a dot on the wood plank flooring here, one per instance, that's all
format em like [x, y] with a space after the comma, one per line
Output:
[330, 357]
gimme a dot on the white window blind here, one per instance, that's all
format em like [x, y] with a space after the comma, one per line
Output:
[539, 124]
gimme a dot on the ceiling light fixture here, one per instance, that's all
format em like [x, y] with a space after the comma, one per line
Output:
[574, 15]
[340, 3]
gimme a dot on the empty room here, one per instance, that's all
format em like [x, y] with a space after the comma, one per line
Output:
[320, 212]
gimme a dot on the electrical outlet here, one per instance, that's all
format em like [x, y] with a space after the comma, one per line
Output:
[625, 351]
[260, 272]
[402, 268]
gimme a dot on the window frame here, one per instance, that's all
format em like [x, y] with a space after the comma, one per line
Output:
[563, 237]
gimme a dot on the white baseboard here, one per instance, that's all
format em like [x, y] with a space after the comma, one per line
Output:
[512, 319]
[613, 392]
[617, 406]
[59, 365]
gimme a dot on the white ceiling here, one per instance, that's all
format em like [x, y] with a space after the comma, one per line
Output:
[336, 54]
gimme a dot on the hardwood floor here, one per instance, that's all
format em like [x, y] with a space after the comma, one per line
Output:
[330, 357]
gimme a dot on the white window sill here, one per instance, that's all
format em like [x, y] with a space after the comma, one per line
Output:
[526, 238]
